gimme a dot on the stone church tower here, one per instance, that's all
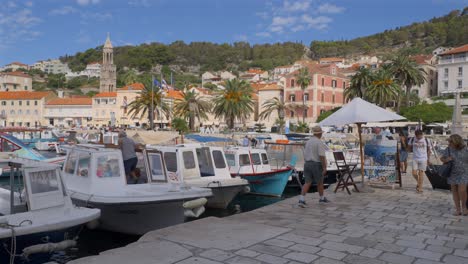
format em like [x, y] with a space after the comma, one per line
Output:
[108, 79]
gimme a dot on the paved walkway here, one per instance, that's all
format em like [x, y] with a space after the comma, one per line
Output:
[380, 225]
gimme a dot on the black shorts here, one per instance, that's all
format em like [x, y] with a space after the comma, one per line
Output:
[313, 170]
[130, 165]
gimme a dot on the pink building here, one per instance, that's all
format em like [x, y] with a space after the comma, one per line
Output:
[325, 92]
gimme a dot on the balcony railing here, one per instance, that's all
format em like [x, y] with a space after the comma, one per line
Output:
[3, 116]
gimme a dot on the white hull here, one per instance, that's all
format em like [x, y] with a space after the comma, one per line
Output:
[222, 196]
[137, 218]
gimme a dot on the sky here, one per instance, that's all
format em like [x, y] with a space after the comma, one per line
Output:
[32, 30]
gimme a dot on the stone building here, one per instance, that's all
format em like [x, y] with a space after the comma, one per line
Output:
[108, 80]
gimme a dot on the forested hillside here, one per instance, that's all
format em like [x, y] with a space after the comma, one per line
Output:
[448, 31]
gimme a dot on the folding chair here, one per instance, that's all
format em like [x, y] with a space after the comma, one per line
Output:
[345, 172]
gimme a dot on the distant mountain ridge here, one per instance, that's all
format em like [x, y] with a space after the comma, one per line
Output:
[449, 30]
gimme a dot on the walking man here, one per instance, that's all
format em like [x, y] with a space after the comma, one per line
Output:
[421, 153]
[130, 160]
[315, 166]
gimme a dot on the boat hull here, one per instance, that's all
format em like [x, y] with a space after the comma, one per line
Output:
[270, 183]
[25, 241]
[137, 218]
[222, 196]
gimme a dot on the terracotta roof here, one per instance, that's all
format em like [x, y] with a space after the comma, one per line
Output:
[132, 87]
[421, 59]
[255, 96]
[256, 71]
[25, 95]
[330, 59]
[106, 94]
[271, 87]
[18, 63]
[258, 86]
[174, 94]
[321, 69]
[461, 49]
[70, 101]
[16, 73]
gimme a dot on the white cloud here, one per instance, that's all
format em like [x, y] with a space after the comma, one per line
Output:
[276, 29]
[26, 19]
[100, 17]
[17, 24]
[29, 4]
[296, 6]
[262, 15]
[330, 9]
[11, 4]
[320, 22]
[298, 28]
[144, 3]
[283, 21]
[87, 2]
[63, 10]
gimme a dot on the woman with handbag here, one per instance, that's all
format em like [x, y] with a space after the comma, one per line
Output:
[458, 180]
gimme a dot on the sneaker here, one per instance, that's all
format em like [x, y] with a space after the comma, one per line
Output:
[302, 204]
[324, 200]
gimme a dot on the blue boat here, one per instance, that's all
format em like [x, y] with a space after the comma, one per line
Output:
[253, 165]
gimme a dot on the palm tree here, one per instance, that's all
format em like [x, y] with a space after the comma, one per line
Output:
[407, 73]
[234, 102]
[130, 77]
[383, 88]
[150, 98]
[191, 106]
[359, 83]
[303, 79]
[180, 125]
[271, 105]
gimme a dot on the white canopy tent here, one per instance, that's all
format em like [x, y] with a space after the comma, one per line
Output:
[360, 112]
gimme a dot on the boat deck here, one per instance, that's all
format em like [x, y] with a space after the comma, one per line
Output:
[379, 225]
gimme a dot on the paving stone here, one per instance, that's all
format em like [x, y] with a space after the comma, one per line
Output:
[333, 254]
[451, 259]
[301, 239]
[247, 253]
[301, 257]
[360, 242]
[439, 249]
[305, 248]
[458, 245]
[324, 260]
[461, 253]
[342, 247]
[396, 258]
[271, 259]
[425, 261]
[216, 254]
[278, 243]
[197, 260]
[334, 238]
[354, 259]
[389, 247]
[334, 231]
[242, 260]
[411, 244]
[371, 252]
[425, 254]
[411, 238]
[272, 250]
[435, 242]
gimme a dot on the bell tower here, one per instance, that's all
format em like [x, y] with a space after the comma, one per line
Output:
[108, 80]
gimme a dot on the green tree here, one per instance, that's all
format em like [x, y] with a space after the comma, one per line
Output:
[383, 88]
[303, 79]
[326, 114]
[272, 105]
[180, 125]
[359, 83]
[234, 102]
[407, 73]
[192, 107]
[149, 99]
[130, 77]
[428, 113]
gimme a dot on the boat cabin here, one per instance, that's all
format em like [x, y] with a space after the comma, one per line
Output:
[194, 161]
[247, 160]
[11, 144]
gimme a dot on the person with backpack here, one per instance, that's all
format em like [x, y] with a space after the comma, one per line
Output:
[420, 146]
[403, 151]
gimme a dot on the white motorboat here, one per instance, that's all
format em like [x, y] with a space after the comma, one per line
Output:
[203, 166]
[37, 216]
[95, 178]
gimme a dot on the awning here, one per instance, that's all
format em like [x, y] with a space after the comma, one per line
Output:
[391, 124]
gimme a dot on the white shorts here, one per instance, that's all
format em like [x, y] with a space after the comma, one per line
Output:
[420, 165]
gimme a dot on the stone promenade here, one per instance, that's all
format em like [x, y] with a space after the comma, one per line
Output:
[379, 225]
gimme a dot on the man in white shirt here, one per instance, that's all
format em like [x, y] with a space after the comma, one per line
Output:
[421, 153]
[315, 166]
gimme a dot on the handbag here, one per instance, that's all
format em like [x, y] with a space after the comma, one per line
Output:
[445, 169]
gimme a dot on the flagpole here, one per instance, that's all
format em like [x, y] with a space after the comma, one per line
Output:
[152, 103]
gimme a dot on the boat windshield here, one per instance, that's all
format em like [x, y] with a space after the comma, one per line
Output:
[231, 160]
[108, 166]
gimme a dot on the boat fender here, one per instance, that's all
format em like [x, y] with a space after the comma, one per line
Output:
[246, 189]
[48, 247]
[194, 213]
[195, 203]
[91, 225]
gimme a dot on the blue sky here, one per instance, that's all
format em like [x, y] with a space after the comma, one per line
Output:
[32, 30]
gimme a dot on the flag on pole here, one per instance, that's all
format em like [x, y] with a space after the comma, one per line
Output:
[164, 83]
[156, 83]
